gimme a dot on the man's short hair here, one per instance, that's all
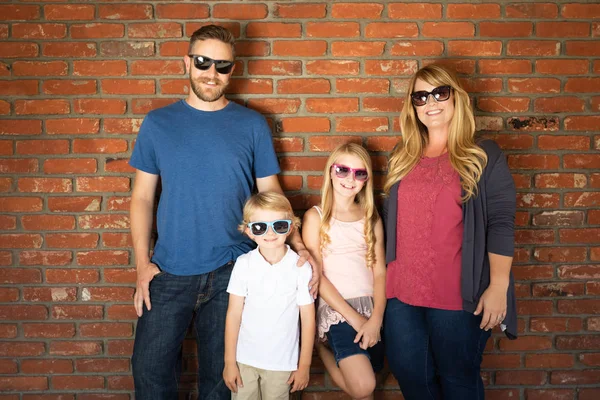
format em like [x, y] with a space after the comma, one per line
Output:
[213, 32]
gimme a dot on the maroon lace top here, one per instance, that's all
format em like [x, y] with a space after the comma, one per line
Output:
[427, 268]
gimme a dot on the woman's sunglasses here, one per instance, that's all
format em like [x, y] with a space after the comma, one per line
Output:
[280, 227]
[203, 63]
[341, 171]
[440, 93]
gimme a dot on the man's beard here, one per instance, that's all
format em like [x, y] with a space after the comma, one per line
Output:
[208, 95]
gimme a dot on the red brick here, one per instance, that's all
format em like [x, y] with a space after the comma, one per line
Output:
[72, 240]
[106, 329]
[415, 11]
[275, 106]
[118, 165]
[533, 48]
[66, 126]
[96, 365]
[562, 29]
[76, 312]
[39, 68]
[182, 11]
[526, 343]
[274, 67]
[18, 49]
[532, 11]
[357, 49]
[120, 347]
[250, 48]
[583, 48]
[118, 203]
[92, 146]
[581, 306]
[38, 31]
[49, 106]
[332, 67]
[533, 124]
[329, 105]
[275, 30]
[21, 383]
[45, 185]
[588, 394]
[534, 85]
[128, 86]
[20, 204]
[361, 124]
[505, 29]
[107, 294]
[588, 161]
[48, 366]
[69, 49]
[392, 30]
[562, 67]
[22, 312]
[304, 124]
[102, 257]
[127, 49]
[390, 67]
[575, 377]
[583, 11]
[557, 289]
[582, 123]
[328, 143]
[111, 239]
[97, 31]
[19, 12]
[503, 104]
[250, 86]
[18, 87]
[99, 106]
[121, 312]
[18, 165]
[291, 182]
[125, 11]
[20, 241]
[558, 104]
[122, 125]
[355, 10]
[538, 236]
[590, 359]
[522, 377]
[417, 48]
[560, 254]
[69, 12]
[157, 67]
[560, 180]
[291, 86]
[69, 87]
[579, 272]
[551, 142]
[472, 48]
[382, 104]
[303, 163]
[70, 166]
[100, 68]
[297, 11]
[505, 66]
[155, 30]
[79, 382]
[301, 48]
[48, 222]
[581, 199]
[71, 275]
[447, 29]
[558, 218]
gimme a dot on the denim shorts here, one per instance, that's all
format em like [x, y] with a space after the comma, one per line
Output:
[341, 340]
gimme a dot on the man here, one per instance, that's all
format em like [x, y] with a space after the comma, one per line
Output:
[209, 154]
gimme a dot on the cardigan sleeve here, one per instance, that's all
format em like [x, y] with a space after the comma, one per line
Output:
[501, 205]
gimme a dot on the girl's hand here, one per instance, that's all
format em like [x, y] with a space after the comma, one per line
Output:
[313, 285]
[232, 377]
[299, 379]
[369, 334]
[493, 304]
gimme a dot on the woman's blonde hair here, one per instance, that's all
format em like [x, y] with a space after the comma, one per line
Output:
[466, 157]
[271, 201]
[364, 198]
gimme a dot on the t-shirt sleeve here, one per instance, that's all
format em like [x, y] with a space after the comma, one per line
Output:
[265, 160]
[238, 283]
[144, 155]
[303, 293]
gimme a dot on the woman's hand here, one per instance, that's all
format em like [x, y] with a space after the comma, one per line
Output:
[369, 334]
[493, 304]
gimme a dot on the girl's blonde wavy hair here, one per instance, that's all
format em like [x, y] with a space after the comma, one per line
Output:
[466, 157]
[364, 198]
[271, 201]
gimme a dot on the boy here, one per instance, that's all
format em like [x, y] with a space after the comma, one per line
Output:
[266, 293]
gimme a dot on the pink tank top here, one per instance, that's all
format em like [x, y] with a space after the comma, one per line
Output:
[345, 265]
[427, 268]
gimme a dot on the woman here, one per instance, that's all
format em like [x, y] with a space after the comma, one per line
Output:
[449, 216]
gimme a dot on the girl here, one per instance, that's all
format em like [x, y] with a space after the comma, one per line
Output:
[345, 238]
[449, 220]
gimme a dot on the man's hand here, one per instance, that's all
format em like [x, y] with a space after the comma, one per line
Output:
[232, 377]
[299, 379]
[313, 285]
[142, 294]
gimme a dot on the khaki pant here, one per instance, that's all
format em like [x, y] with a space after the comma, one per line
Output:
[260, 384]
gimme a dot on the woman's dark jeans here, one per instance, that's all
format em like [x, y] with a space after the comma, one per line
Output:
[176, 300]
[434, 354]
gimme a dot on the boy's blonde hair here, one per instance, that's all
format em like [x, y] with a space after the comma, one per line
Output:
[364, 198]
[271, 201]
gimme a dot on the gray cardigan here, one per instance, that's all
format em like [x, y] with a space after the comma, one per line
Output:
[488, 220]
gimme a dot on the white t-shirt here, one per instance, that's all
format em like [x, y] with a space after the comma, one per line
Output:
[269, 330]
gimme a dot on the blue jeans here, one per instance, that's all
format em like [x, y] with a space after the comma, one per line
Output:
[434, 354]
[176, 300]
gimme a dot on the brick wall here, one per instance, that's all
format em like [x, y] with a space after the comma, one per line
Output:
[77, 78]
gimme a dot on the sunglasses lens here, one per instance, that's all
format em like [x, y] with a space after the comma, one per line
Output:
[341, 172]
[419, 98]
[224, 67]
[361, 175]
[258, 228]
[441, 93]
[281, 227]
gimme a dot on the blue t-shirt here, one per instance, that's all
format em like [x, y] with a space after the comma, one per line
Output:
[208, 162]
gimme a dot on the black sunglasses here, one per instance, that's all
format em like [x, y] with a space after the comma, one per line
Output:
[280, 227]
[203, 63]
[440, 93]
